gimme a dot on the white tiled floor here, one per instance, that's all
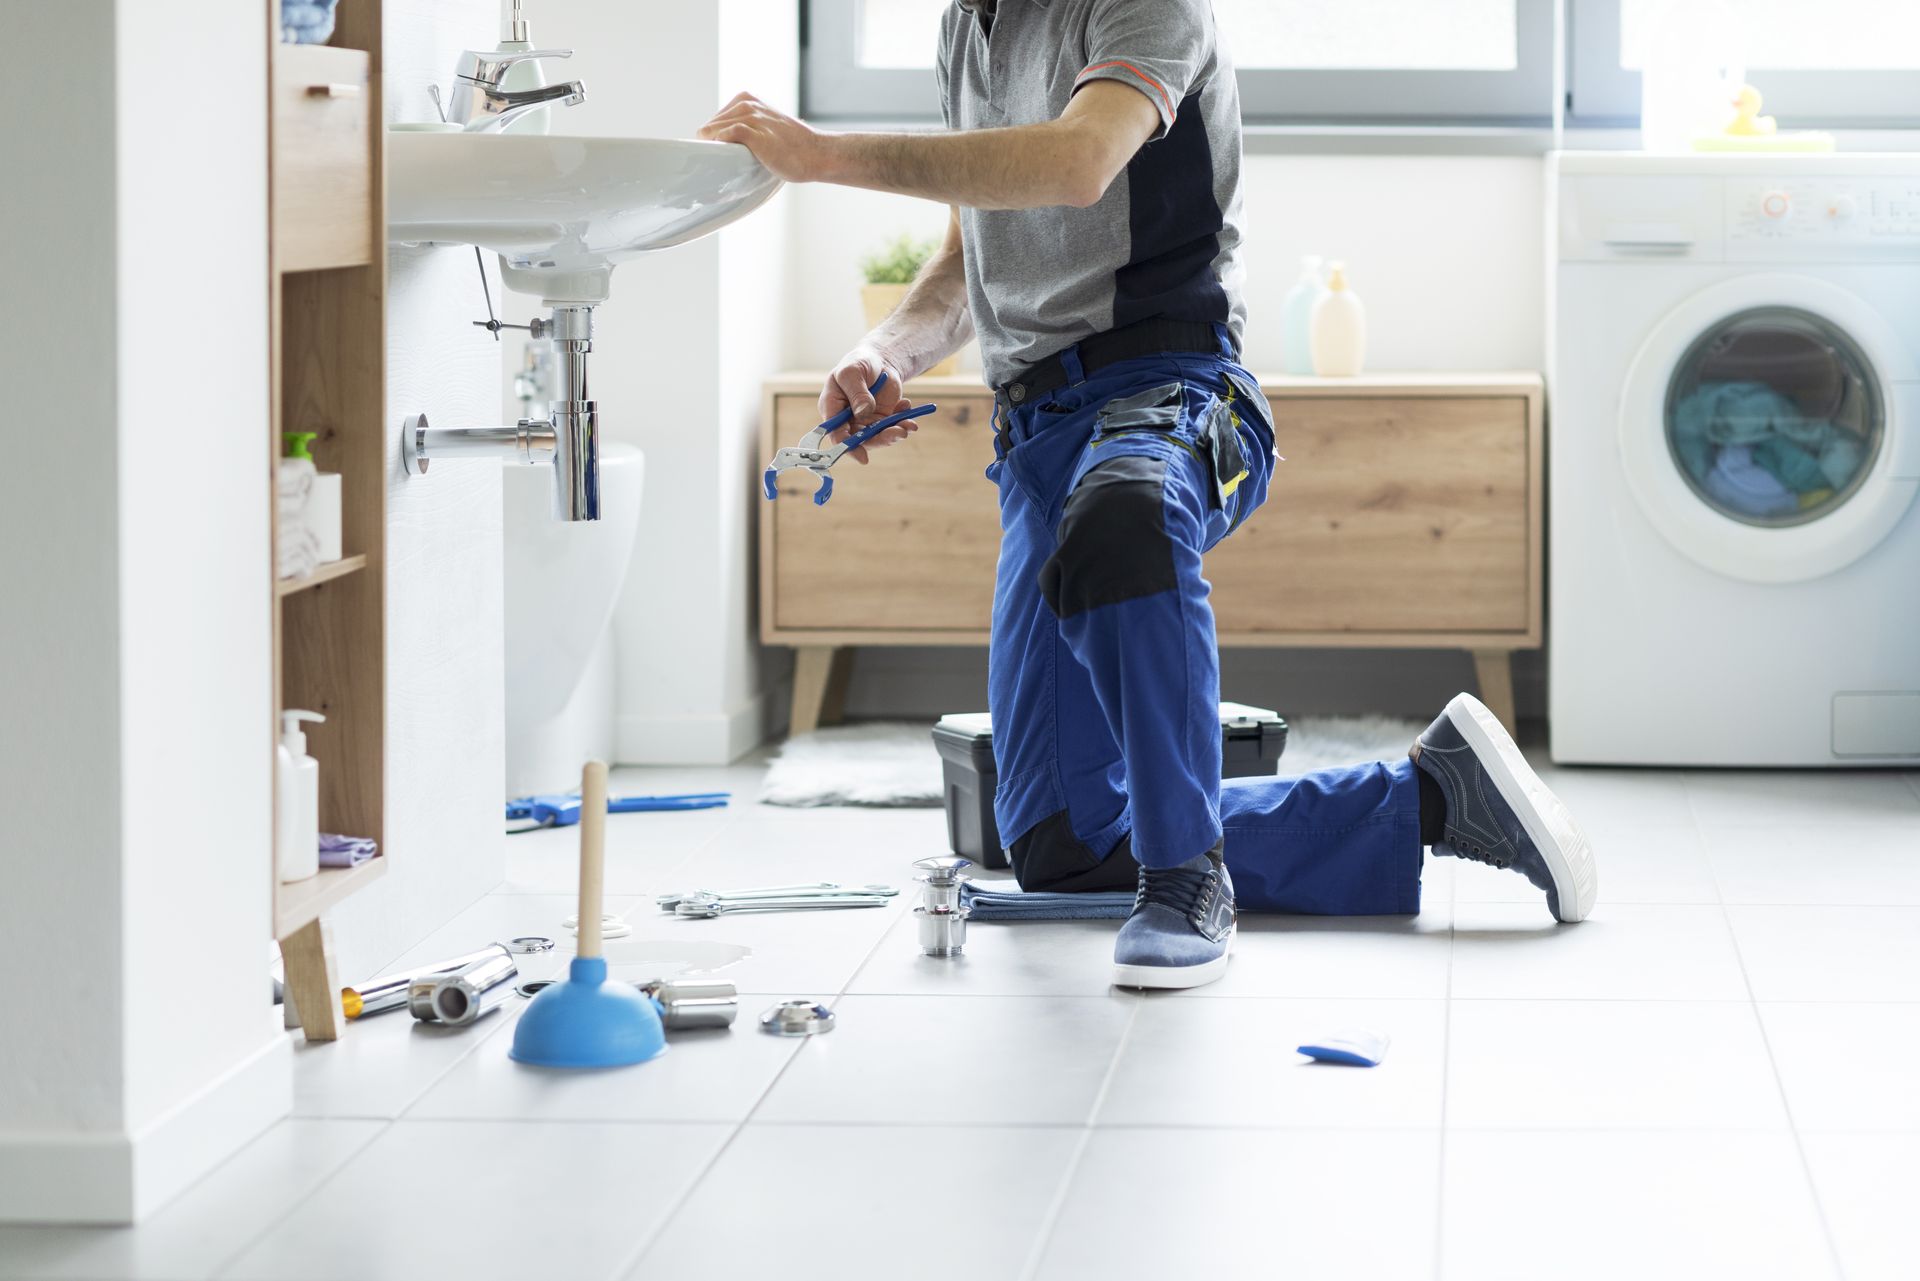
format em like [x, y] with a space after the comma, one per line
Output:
[1714, 1077]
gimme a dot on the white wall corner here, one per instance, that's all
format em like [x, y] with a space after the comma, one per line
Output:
[116, 1178]
[694, 738]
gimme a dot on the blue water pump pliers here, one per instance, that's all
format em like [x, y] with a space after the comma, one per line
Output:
[816, 455]
[560, 809]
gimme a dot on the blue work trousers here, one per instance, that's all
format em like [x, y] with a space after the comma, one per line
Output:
[1104, 675]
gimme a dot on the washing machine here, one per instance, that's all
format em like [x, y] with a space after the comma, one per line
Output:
[1734, 450]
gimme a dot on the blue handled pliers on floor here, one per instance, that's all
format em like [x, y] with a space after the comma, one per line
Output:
[816, 455]
[557, 809]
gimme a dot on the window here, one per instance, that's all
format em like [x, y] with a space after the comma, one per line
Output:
[1841, 63]
[1300, 61]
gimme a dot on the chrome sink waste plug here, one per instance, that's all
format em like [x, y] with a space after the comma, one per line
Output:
[942, 917]
[568, 438]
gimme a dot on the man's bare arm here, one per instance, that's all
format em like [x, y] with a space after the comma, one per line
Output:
[930, 323]
[1067, 161]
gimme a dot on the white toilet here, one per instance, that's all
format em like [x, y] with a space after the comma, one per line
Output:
[562, 581]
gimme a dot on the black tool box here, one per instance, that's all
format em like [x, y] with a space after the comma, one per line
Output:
[1251, 741]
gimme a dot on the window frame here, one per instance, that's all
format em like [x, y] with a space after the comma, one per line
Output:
[1463, 111]
[834, 88]
[1601, 93]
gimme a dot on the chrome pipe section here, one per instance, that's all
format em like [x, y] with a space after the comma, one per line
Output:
[574, 416]
[528, 441]
[462, 997]
[390, 993]
[694, 1003]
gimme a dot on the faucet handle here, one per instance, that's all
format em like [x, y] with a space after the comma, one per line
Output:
[490, 66]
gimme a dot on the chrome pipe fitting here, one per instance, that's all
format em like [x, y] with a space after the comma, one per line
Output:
[462, 997]
[942, 915]
[568, 437]
[694, 1003]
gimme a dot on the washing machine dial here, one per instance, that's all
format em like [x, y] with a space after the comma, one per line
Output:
[1842, 208]
[1775, 205]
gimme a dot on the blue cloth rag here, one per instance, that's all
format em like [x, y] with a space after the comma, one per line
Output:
[306, 21]
[1005, 901]
[346, 851]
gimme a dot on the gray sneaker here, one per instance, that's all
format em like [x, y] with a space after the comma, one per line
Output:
[1181, 930]
[1498, 810]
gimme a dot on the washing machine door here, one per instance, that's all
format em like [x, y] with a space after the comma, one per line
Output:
[1760, 428]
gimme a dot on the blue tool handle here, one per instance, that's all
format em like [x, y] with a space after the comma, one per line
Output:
[767, 482]
[845, 416]
[822, 494]
[871, 430]
[648, 804]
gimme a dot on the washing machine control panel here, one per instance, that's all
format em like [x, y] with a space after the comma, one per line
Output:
[1836, 211]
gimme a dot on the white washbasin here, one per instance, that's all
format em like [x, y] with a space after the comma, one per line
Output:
[563, 212]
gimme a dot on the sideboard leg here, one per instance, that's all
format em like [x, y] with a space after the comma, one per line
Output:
[312, 982]
[812, 674]
[833, 707]
[1493, 668]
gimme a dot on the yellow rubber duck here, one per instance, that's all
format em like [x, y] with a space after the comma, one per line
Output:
[1747, 121]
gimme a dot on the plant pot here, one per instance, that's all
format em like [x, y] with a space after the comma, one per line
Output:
[879, 302]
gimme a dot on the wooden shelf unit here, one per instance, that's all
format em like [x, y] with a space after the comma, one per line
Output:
[1409, 515]
[327, 321]
[325, 574]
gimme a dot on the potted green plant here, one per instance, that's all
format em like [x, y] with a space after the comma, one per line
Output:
[888, 271]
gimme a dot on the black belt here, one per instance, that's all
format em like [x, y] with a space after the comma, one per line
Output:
[1097, 351]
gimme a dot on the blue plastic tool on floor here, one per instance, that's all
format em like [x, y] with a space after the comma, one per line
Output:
[816, 455]
[584, 1021]
[560, 809]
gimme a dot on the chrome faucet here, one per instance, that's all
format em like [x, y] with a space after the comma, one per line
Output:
[480, 105]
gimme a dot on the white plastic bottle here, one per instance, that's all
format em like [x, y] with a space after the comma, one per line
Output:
[296, 832]
[1339, 329]
[1296, 316]
[524, 75]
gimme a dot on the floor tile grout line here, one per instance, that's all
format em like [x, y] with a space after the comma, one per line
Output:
[222, 1269]
[1043, 1233]
[630, 1262]
[1786, 1103]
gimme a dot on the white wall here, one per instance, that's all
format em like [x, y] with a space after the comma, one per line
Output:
[135, 636]
[1444, 250]
[446, 699]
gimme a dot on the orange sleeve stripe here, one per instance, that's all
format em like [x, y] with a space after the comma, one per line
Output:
[1119, 62]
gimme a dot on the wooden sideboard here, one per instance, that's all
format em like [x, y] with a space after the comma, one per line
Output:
[1407, 515]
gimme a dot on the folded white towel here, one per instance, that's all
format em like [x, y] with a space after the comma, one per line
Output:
[296, 550]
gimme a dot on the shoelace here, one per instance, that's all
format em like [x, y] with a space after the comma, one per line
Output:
[1477, 854]
[1184, 889]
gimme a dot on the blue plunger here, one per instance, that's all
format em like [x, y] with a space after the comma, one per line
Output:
[583, 1021]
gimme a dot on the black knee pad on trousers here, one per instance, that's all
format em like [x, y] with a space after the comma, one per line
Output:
[1113, 543]
[1048, 856]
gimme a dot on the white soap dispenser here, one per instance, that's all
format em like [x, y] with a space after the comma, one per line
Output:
[1339, 328]
[296, 831]
[524, 75]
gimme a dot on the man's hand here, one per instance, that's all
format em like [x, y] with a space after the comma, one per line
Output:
[848, 384]
[792, 150]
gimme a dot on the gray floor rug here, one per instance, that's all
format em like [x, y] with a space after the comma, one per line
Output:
[894, 764]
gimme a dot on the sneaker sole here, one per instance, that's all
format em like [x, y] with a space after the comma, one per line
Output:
[1174, 976]
[1564, 847]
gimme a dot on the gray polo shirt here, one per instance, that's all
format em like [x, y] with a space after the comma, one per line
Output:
[1165, 239]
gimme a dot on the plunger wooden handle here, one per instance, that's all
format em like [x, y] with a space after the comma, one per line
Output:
[593, 836]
